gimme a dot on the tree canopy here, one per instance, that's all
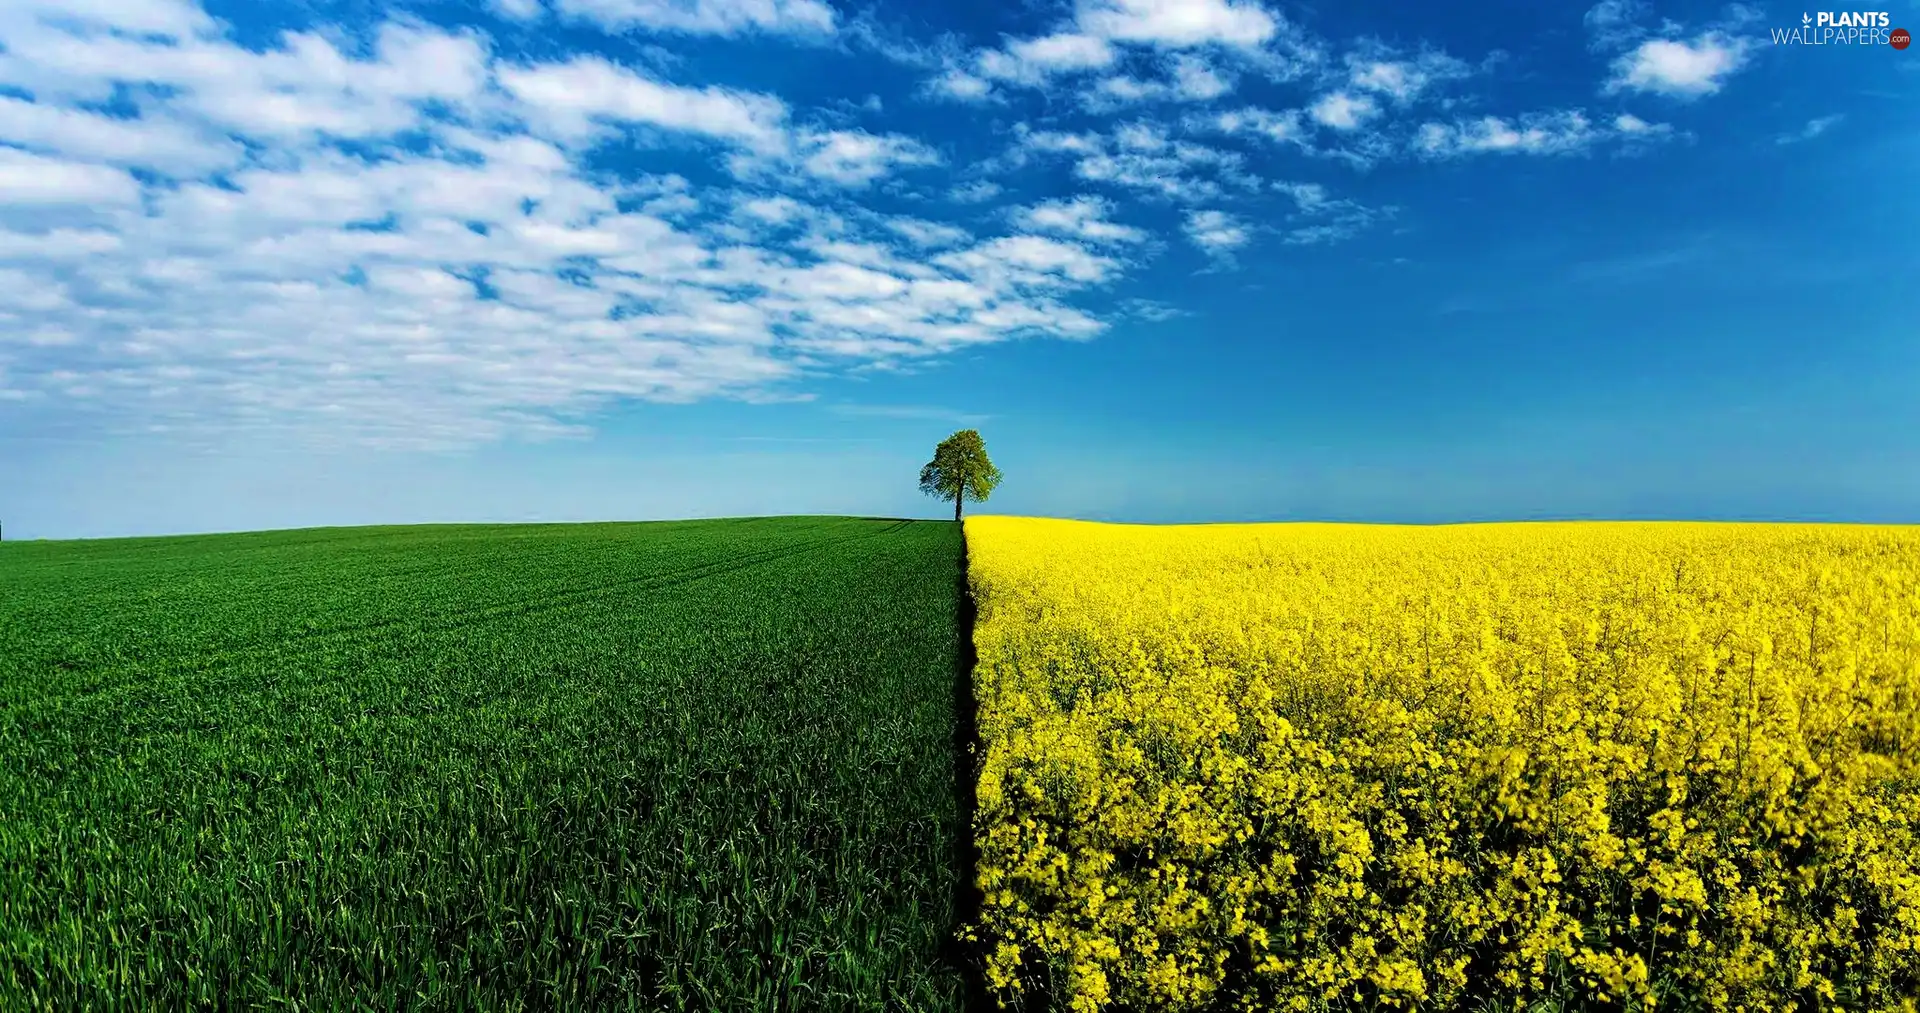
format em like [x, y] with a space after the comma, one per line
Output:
[960, 470]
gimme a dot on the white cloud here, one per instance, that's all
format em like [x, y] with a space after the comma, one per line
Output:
[1307, 196]
[1216, 232]
[574, 99]
[706, 17]
[1357, 143]
[306, 86]
[1084, 218]
[1630, 127]
[1399, 79]
[487, 278]
[1087, 44]
[1285, 126]
[1613, 24]
[164, 144]
[1813, 128]
[470, 266]
[59, 244]
[1058, 142]
[1190, 78]
[1392, 78]
[1164, 176]
[1026, 62]
[1151, 310]
[1178, 23]
[1555, 133]
[1064, 51]
[1343, 111]
[1314, 235]
[856, 158]
[1196, 81]
[175, 19]
[977, 192]
[1627, 123]
[1680, 68]
[1026, 260]
[1141, 136]
[28, 179]
[1121, 90]
[923, 233]
[1322, 218]
[1667, 61]
[518, 10]
[1141, 156]
[960, 85]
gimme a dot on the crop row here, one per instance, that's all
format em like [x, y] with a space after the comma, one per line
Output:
[678, 766]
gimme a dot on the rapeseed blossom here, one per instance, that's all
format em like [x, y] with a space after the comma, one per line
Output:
[1312, 766]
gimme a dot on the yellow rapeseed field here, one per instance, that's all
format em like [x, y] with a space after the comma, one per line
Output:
[1506, 766]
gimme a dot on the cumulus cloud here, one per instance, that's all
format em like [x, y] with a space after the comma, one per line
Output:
[1028, 261]
[403, 234]
[1216, 232]
[961, 86]
[1682, 68]
[1093, 40]
[1558, 132]
[1357, 109]
[1627, 123]
[1186, 78]
[976, 192]
[1282, 126]
[1179, 23]
[1142, 157]
[304, 88]
[1196, 80]
[1112, 93]
[702, 17]
[1084, 218]
[1034, 59]
[1614, 24]
[1343, 111]
[923, 233]
[574, 100]
[857, 158]
[27, 179]
[167, 145]
[1352, 118]
[415, 245]
[1631, 129]
[1668, 60]
[1554, 133]
[518, 10]
[1336, 128]
[1028, 62]
[173, 19]
[1378, 70]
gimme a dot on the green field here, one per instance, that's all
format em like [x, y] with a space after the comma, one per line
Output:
[701, 765]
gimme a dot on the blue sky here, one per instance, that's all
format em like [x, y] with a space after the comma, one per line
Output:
[277, 264]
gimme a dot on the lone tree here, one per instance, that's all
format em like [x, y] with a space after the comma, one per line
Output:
[960, 470]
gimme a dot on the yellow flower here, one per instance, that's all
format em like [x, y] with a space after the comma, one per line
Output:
[1359, 763]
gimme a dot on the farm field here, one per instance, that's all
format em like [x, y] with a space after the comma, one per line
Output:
[1539, 767]
[713, 766]
[700, 765]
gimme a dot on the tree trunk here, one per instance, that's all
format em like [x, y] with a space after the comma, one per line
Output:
[958, 495]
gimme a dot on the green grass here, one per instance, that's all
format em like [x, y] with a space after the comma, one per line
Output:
[701, 765]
